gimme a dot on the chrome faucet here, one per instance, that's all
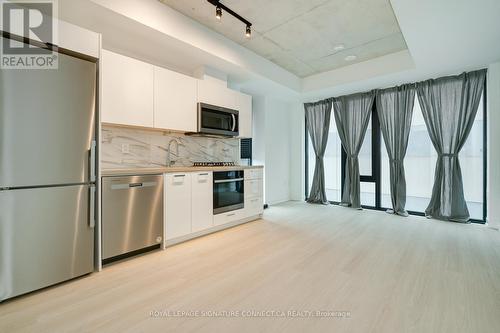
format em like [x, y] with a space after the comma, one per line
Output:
[176, 141]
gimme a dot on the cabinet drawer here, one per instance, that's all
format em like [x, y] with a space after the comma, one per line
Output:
[202, 177]
[228, 217]
[253, 188]
[177, 178]
[254, 173]
[254, 206]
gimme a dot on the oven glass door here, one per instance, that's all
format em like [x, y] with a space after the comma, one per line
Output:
[228, 196]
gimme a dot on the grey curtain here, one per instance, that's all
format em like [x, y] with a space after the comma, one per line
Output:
[352, 115]
[395, 110]
[449, 106]
[318, 124]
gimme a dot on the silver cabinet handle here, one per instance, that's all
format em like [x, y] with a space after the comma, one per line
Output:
[203, 174]
[228, 180]
[231, 214]
[177, 176]
[92, 207]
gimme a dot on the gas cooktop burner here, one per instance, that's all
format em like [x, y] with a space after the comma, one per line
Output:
[212, 164]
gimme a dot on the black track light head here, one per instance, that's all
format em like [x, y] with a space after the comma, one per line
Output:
[218, 12]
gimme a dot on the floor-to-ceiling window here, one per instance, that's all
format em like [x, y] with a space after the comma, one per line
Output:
[368, 163]
[332, 161]
[420, 163]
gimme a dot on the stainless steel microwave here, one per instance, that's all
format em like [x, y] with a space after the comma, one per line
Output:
[217, 120]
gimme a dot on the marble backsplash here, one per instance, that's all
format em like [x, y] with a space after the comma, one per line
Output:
[125, 148]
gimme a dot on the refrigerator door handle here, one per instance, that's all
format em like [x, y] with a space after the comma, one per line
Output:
[92, 207]
[92, 160]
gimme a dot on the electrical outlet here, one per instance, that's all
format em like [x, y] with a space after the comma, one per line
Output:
[125, 148]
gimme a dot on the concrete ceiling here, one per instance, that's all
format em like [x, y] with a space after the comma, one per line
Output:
[301, 36]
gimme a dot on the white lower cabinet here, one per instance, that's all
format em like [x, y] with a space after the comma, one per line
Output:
[178, 205]
[189, 204]
[254, 192]
[202, 201]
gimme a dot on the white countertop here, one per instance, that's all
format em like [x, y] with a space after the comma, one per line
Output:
[149, 171]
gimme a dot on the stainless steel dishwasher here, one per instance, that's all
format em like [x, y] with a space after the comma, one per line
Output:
[132, 215]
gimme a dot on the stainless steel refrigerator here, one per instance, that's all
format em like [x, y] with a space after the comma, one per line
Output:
[47, 174]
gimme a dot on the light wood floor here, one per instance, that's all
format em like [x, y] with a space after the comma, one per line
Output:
[392, 274]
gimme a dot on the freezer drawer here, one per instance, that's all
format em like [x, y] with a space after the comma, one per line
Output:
[132, 213]
[46, 237]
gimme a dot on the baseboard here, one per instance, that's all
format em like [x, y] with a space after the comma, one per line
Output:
[174, 241]
[277, 202]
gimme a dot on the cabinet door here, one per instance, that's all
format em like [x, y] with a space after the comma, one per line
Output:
[245, 109]
[177, 205]
[174, 101]
[127, 90]
[214, 93]
[202, 205]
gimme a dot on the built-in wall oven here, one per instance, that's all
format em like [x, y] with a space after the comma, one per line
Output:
[228, 191]
[217, 120]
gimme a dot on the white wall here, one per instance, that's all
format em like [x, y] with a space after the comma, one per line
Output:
[297, 151]
[493, 97]
[272, 146]
[277, 151]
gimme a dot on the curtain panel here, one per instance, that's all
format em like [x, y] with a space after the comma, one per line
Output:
[395, 111]
[352, 115]
[318, 124]
[449, 106]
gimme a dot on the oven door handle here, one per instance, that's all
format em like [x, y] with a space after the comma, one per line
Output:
[228, 180]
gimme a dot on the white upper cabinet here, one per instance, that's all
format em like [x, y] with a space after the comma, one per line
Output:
[139, 94]
[245, 109]
[127, 90]
[175, 98]
[215, 93]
